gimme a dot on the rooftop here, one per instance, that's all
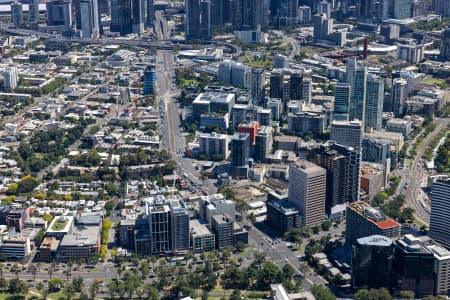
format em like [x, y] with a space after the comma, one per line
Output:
[373, 215]
[375, 240]
[82, 235]
[199, 229]
[221, 97]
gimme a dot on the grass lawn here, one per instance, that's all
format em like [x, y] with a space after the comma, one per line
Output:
[439, 82]
[58, 225]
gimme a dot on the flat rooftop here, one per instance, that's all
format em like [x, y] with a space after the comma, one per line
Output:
[374, 215]
[375, 240]
[82, 235]
[197, 228]
[218, 97]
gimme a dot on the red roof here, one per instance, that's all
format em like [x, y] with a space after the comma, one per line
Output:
[388, 223]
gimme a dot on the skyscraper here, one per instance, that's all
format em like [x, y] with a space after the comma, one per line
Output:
[296, 86]
[59, 13]
[17, 14]
[10, 78]
[263, 143]
[138, 16]
[159, 219]
[306, 190]
[276, 83]
[33, 13]
[180, 225]
[323, 26]
[445, 46]
[150, 13]
[347, 133]
[149, 80]
[342, 164]
[413, 267]
[364, 220]
[372, 258]
[257, 85]
[402, 9]
[240, 151]
[307, 89]
[357, 78]
[121, 17]
[440, 212]
[198, 19]
[399, 96]
[341, 101]
[374, 102]
[89, 19]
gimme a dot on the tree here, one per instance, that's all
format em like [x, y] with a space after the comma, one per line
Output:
[3, 284]
[236, 295]
[27, 184]
[93, 290]
[151, 292]
[373, 294]
[17, 286]
[322, 293]
[55, 284]
[16, 270]
[78, 284]
[326, 225]
[407, 295]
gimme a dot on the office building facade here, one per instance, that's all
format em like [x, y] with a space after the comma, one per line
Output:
[198, 19]
[364, 220]
[240, 151]
[372, 259]
[347, 133]
[90, 23]
[440, 212]
[263, 144]
[399, 96]
[357, 78]
[342, 101]
[374, 102]
[307, 191]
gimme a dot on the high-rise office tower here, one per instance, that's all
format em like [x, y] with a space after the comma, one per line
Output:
[17, 14]
[372, 10]
[307, 89]
[445, 46]
[150, 13]
[159, 218]
[198, 19]
[374, 102]
[89, 19]
[249, 14]
[292, 12]
[263, 143]
[364, 220]
[276, 84]
[10, 78]
[342, 95]
[121, 17]
[324, 7]
[413, 267]
[307, 188]
[441, 266]
[357, 78]
[399, 96]
[372, 258]
[257, 85]
[440, 212]
[59, 13]
[342, 164]
[347, 133]
[240, 151]
[138, 16]
[296, 86]
[179, 225]
[402, 9]
[304, 15]
[33, 13]
[322, 27]
[441, 7]
[149, 80]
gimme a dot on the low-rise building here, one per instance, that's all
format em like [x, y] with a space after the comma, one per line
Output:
[282, 215]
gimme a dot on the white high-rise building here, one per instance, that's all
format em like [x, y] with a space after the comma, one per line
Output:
[307, 191]
[348, 133]
[10, 78]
